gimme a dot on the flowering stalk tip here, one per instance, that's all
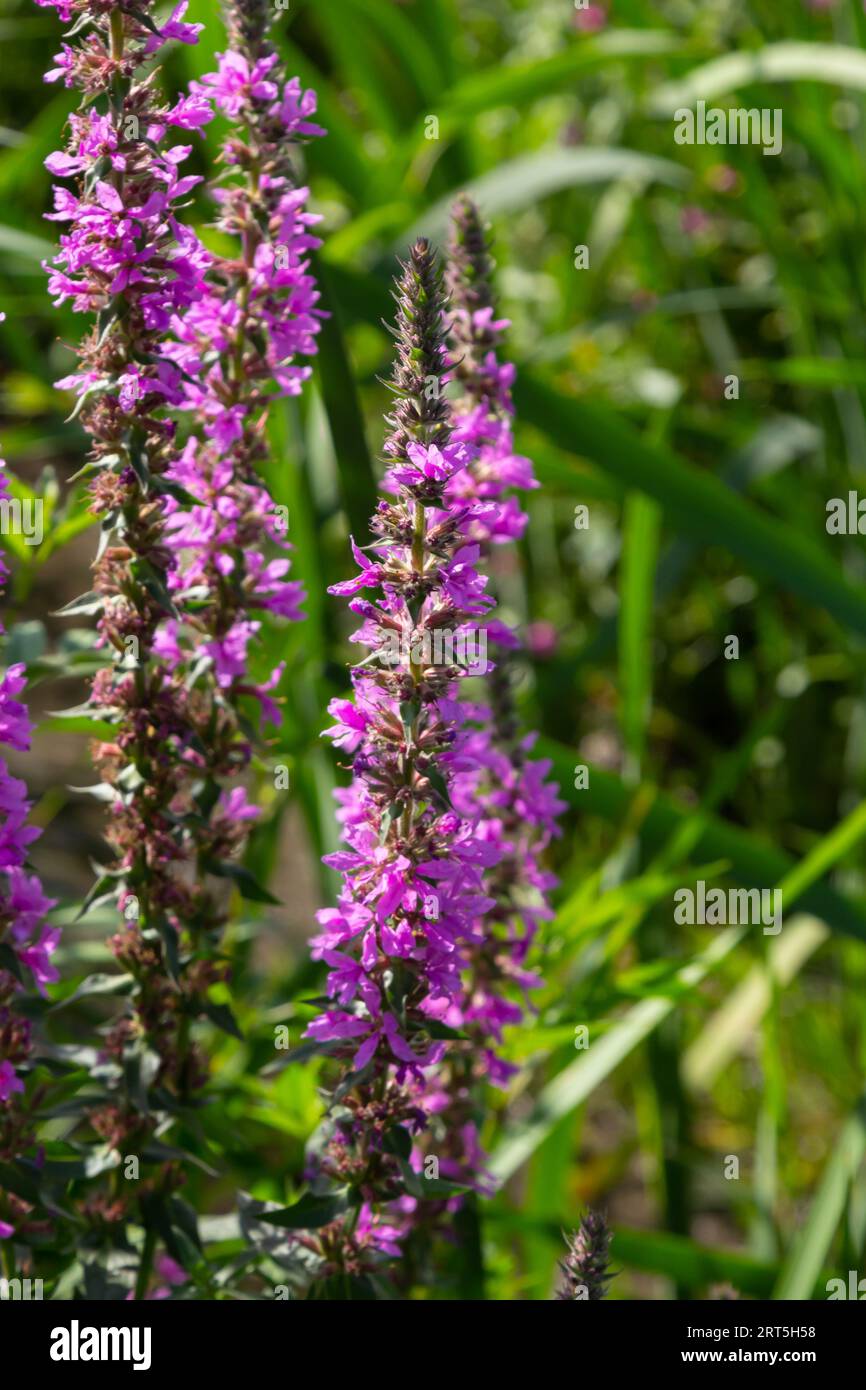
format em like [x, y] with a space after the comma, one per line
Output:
[585, 1268]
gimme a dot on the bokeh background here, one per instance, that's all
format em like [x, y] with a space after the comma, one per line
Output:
[707, 511]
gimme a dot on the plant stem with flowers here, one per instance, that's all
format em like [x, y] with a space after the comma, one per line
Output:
[398, 940]
[212, 339]
[586, 1267]
[27, 944]
[239, 347]
[127, 259]
[497, 787]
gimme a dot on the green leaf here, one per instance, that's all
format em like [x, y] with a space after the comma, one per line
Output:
[103, 888]
[86, 604]
[429, 1189]
[812, 1244]
[345, 418]
[439, 785]
[246, 884]
[398, 1141]
[524, 181]
[309, 1213]
[579, 1079]
[693, 501]
[222, 1016]
[776, 62]
[97, 984]
[100, 791]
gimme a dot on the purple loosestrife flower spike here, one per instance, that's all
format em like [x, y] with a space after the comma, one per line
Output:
[397, 942]
[497, 787]
[238, 348]
[585, 1267]
[127, 259]
[193, 546]
[27, 943]
[247, 23]
[475, 332]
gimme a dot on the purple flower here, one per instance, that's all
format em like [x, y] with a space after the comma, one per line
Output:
[37, 957]
[413, 866]
[23, 907]
[14, 719]
[174, 28]
[236, 348]
[238, 83]
[10, 1082]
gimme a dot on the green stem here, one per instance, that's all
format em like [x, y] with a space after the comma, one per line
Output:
[117, 39]
[418, 535]
[146, 1265]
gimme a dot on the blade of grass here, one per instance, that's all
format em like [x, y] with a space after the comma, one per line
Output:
[776, 62]
[579, 1079]
[728, 1030]
[524, 181]
[696, 503]
[517, 83]
[640, 542]
[753, 861]
[810, 1248]
[345, 417]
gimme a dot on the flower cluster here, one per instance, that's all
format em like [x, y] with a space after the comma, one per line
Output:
[497, 787]
[400, 938]
[238, 345]
[446, 819]
[412, 872]
[27, 942]
[192, 549]
[126, 258]
[585, 1268]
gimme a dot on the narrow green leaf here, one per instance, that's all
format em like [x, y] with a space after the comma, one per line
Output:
[578, 1080]
[524, 181]
[811, 1246]
[776, 62]
[309, 1213]
[247, 885]
[640, 540]
[345, 417]
[695, 502]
